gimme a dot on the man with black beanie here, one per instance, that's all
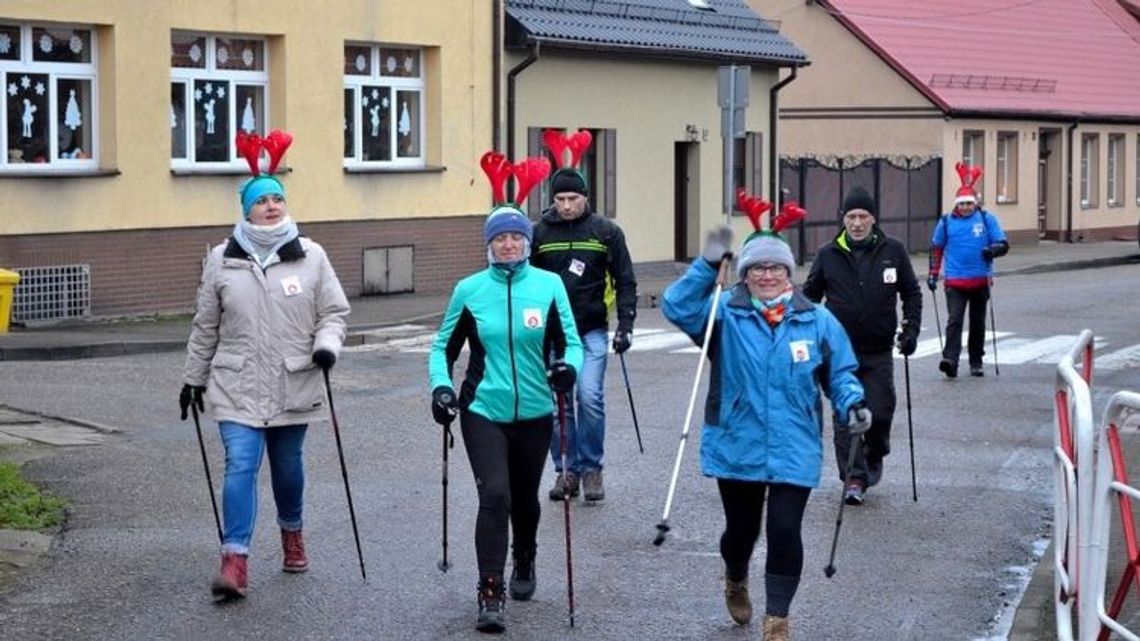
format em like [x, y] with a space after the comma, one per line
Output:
[863, 273]
[589, 252]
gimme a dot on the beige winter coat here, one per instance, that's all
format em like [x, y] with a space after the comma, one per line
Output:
[255, 332]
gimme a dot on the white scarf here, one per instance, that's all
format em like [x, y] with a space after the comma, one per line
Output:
[261, 242]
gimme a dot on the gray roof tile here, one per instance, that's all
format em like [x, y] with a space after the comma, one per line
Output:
[732, 31]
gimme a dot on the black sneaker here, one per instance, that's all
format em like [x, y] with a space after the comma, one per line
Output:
[977, 370]
[950, 369]
[523, 580]
[492, 604]
[853, 495]
[557, 492]
[592, 489]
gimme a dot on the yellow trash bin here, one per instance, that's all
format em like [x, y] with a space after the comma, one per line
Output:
[8, 280]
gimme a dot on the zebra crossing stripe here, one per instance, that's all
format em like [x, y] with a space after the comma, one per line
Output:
[1126, 358]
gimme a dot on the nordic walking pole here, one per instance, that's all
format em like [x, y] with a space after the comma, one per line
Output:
[448, 442]
[937, 320]
[566, 505]
[663, 526]
[206, 466]
[910, 428]
[344, 474]
[632, 409]
[993, 330]
[829, 571]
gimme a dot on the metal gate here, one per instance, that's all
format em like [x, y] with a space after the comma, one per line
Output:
[908, 191]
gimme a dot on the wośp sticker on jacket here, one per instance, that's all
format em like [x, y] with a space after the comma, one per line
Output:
[532, 318]
[801, 351]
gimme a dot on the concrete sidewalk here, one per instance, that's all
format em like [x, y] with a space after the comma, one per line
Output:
[120, 336]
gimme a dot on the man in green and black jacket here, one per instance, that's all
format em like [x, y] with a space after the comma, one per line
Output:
[589, 252]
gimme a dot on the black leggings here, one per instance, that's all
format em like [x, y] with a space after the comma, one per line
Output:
[507, 460]
[743, 508]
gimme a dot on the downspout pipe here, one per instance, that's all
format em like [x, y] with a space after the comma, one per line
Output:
[1069, 180]
[773, 149]
[497, 75]
[531, 58]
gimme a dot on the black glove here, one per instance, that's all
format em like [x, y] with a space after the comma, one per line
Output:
[718, 245]
[932, 282]
[191, 394]
[561, 377]
[324, 359]
[443, 405]
[859, 418]
[622, 341]
[907, 342]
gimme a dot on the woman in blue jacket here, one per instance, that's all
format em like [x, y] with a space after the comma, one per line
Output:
[762, 439]
[512, 316]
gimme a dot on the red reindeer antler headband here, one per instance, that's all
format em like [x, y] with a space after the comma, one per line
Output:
[527, 173]
[250, 145]
[558, 142]
[790, 213]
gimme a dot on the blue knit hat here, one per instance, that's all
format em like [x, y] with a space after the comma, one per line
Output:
[257, 187]
[507, 218]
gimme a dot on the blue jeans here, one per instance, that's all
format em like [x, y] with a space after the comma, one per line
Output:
[244, 448]
[586, 429]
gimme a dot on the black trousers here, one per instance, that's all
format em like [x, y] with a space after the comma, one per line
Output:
[743, 503]
[877, 374]
[507, 460]
[956, 302]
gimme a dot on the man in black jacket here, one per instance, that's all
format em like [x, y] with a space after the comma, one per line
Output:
[863, 273]
[588, 251]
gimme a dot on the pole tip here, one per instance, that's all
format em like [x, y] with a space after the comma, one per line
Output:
[829, 571]
[662, 528]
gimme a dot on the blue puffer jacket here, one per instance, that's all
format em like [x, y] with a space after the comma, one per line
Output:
[763, 414]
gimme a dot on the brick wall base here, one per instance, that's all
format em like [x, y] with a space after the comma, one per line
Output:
[156, 270]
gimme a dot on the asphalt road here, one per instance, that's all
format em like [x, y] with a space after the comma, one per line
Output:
[138, 551]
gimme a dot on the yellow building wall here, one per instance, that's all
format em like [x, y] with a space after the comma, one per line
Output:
[305, 49]
[649, 103]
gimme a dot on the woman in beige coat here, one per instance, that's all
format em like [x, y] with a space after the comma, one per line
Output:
[270, 316]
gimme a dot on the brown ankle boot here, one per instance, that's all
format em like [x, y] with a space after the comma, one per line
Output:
[776, 628]
[736, 598]
[294, 547]
[232, 581]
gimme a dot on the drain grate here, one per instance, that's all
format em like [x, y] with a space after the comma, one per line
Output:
[52, 293]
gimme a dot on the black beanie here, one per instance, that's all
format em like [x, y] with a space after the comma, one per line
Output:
[568, 180]
[858, 198]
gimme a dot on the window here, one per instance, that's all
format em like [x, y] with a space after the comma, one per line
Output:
[1007, 166]
[598, 165]
[748, 166]
[1090, 169]
[50, 88]
[383, 106]
[974, 153]
[218, 85]
[1115, 173]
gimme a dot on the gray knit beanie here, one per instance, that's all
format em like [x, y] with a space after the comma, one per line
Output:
[764, 247]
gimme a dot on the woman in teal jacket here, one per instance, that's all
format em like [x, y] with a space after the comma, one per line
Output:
[770, 351]
[512, 316]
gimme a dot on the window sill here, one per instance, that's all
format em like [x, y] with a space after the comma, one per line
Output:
[1011, 201]
[428, 169]
[62, 173]
[221, 171]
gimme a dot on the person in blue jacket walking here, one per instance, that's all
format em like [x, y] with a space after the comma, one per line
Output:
[511, 315]
[770, 351]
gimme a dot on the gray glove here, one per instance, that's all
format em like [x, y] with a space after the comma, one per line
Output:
[718, 245]
[858, 419]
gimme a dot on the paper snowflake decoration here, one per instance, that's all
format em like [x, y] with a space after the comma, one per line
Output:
[195, 53]
[375, 94]
[25, 82]
[361, 63]
[391, 64]
[209, 87]
[12, 89]
[247, 57]
[364, 101]
[75, 44]
[197, 95]
[5, 43]
[384, 103]
[40, 89]
[223, 55]
[221, 92]
[46, 43]
[408, 64]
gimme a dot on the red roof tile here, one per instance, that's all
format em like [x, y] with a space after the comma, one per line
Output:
[1067, 57]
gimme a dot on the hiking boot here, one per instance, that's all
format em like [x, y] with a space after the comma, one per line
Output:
[492, 604]
[736, 598]
[776, 628]
[948, 367]
[294, 547]
[853, 495]
[523, 580]
[568, 478]
[233, 580]
[977, 370]
[592, 489]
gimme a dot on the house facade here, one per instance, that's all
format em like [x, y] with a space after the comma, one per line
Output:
[1046, 98]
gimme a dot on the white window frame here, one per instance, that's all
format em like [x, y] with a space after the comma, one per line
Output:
[1115, 170]
[1007, 159]
[187, 76]
[355, 83]
[55, 71]
[1090, 148]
